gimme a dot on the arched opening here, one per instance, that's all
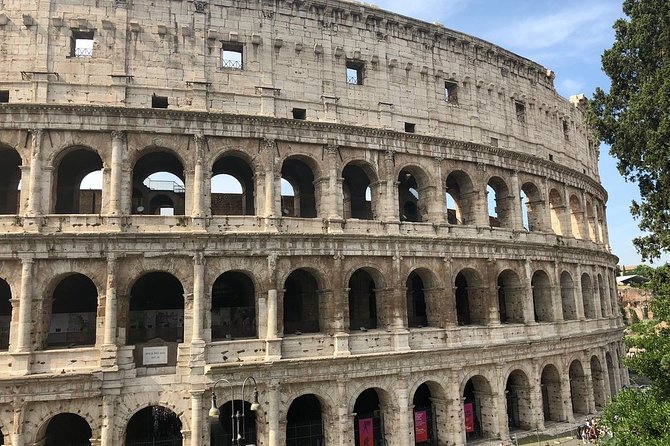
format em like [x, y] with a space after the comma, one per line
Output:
[5, 313]
[587, 297]
[426, 431]
[304, 424]
[542, 302]
[557, 209]
[301, 303]
[369, 419]
[578, 389]
[552, 401]
[158, 185]
[154, 425]
[479, 409]
[460, 199]
[604, 307]
[598, 383]
[236, 424]
[232, 187]
[568, 297]
[510, 298]
[577, 218]
[517, 394]
[10, 178]
[67, 429]
[362, 301]
[301, 178]
[499, 203]
[417, 315]
[71, 198]
[156, 309]
[74, 308]
[357, 192]
[233, 307]
[409, 201]
[533, 207]
[610, 374]
[470, 298]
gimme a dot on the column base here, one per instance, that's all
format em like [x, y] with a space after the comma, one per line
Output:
[341, 341]
[21, 362]
[32, 223]
[272, 350]
[400, 340]
[197, 355]
[109, 357]
[335, 225]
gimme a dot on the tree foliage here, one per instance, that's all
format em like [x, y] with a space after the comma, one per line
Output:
[634, 117]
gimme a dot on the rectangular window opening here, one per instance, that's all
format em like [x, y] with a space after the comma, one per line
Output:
[566, 130]
[231, 56]
[82, 43]
[494, 142]
[410, 127]
[4, 96]
[551, 157]
[520, 108]
[451, 92]
[355, 72]
[159, 101]
[299, 113]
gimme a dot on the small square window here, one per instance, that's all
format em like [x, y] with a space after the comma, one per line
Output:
[551, 157]
[299, 113]
[355, 72]
[494, 142]
[4, 96]
[451, 92]
[410, 127]
[82, 43]
[231, 56]
[520, 108]
[159, 101]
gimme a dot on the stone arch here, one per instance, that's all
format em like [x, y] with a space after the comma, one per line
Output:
[479, 408]
[360, 189]
[304, 421]
[587, 297]
[413, 194]
[533, 207]
[552, 397]
[428, 286]
[5, 313]
[518, 398]
[328, 406]
[511, 297]
[598, 383]
[152, 423]
[40, 413]
[300, 172]
[10, 179]
[568, 302]
[129, 404]
[429, 412]
[158, 160]
[302, 302]
[501, 204]
[461, 199]
[578, 389]
[542, 299]
[233, 306]
[156, 308]
[225, 201]
[557, 211]
[371, 407]
[577, 217]
[71, 166]
[64, 428]
[365, 304]
[471, 305]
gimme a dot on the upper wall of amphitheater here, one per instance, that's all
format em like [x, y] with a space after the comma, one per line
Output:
[408, 75]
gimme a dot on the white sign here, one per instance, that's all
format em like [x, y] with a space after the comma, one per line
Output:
[155, 355]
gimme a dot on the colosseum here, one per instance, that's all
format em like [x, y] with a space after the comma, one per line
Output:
[291, 222]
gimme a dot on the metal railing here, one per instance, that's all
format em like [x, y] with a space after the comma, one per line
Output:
[232, 64]
[83, 52]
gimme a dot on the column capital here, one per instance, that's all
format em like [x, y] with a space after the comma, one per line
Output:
[119, 135]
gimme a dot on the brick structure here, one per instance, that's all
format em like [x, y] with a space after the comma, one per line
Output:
[376, 289]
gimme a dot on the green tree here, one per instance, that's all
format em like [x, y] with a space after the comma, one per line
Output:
[634, 117]
[642, 417]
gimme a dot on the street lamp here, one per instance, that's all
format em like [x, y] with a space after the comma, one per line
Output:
[255, 405]
[215, 413]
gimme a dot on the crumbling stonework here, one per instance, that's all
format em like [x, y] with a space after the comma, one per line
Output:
[375, 286]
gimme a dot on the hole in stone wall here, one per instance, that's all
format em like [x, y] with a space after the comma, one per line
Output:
[4, 96]
[159, 101]
[410, 127]
[299, 113]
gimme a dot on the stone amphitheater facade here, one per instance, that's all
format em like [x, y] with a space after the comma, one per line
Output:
[376, 289]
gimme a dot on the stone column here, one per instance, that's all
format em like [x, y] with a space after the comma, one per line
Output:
[578, 293]
[536, 409]
[567, 398]
[334, 206]
[34, 202]
[588, 378]
[515, 196]
[438, 204]
[403, 416]
[455, 425]
[272, 342]
[389, 211]
[109, 337]
[107, 428]
[344, 419]
[272, 178]
[273, 414]
[491, 294]
[198, 297]
[567, 215]
[198, 178]
[558, 295]
[116, 183]
[25, 314]
[196, 417]
[529, 302]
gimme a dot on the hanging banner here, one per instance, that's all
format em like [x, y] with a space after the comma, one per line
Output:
[365, 432]
[469, 409]
[420, 426]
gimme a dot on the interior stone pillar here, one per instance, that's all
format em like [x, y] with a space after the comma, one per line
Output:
[34, 202]
[110, 302]
[198, 297]
[107, 428]
[116, 183]
[25, 307]
[198, 193]
[196, 417]
[273, 414]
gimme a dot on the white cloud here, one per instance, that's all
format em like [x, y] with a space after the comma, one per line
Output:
[571, 85]
[427, 10]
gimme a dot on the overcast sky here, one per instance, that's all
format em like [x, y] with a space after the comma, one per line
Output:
[567, 36]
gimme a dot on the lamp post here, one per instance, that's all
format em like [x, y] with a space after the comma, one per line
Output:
[215, 413]
[255, 405]
[236, 430]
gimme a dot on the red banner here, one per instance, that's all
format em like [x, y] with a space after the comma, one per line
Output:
[420, 426]
[469, 410]
[365, 432]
